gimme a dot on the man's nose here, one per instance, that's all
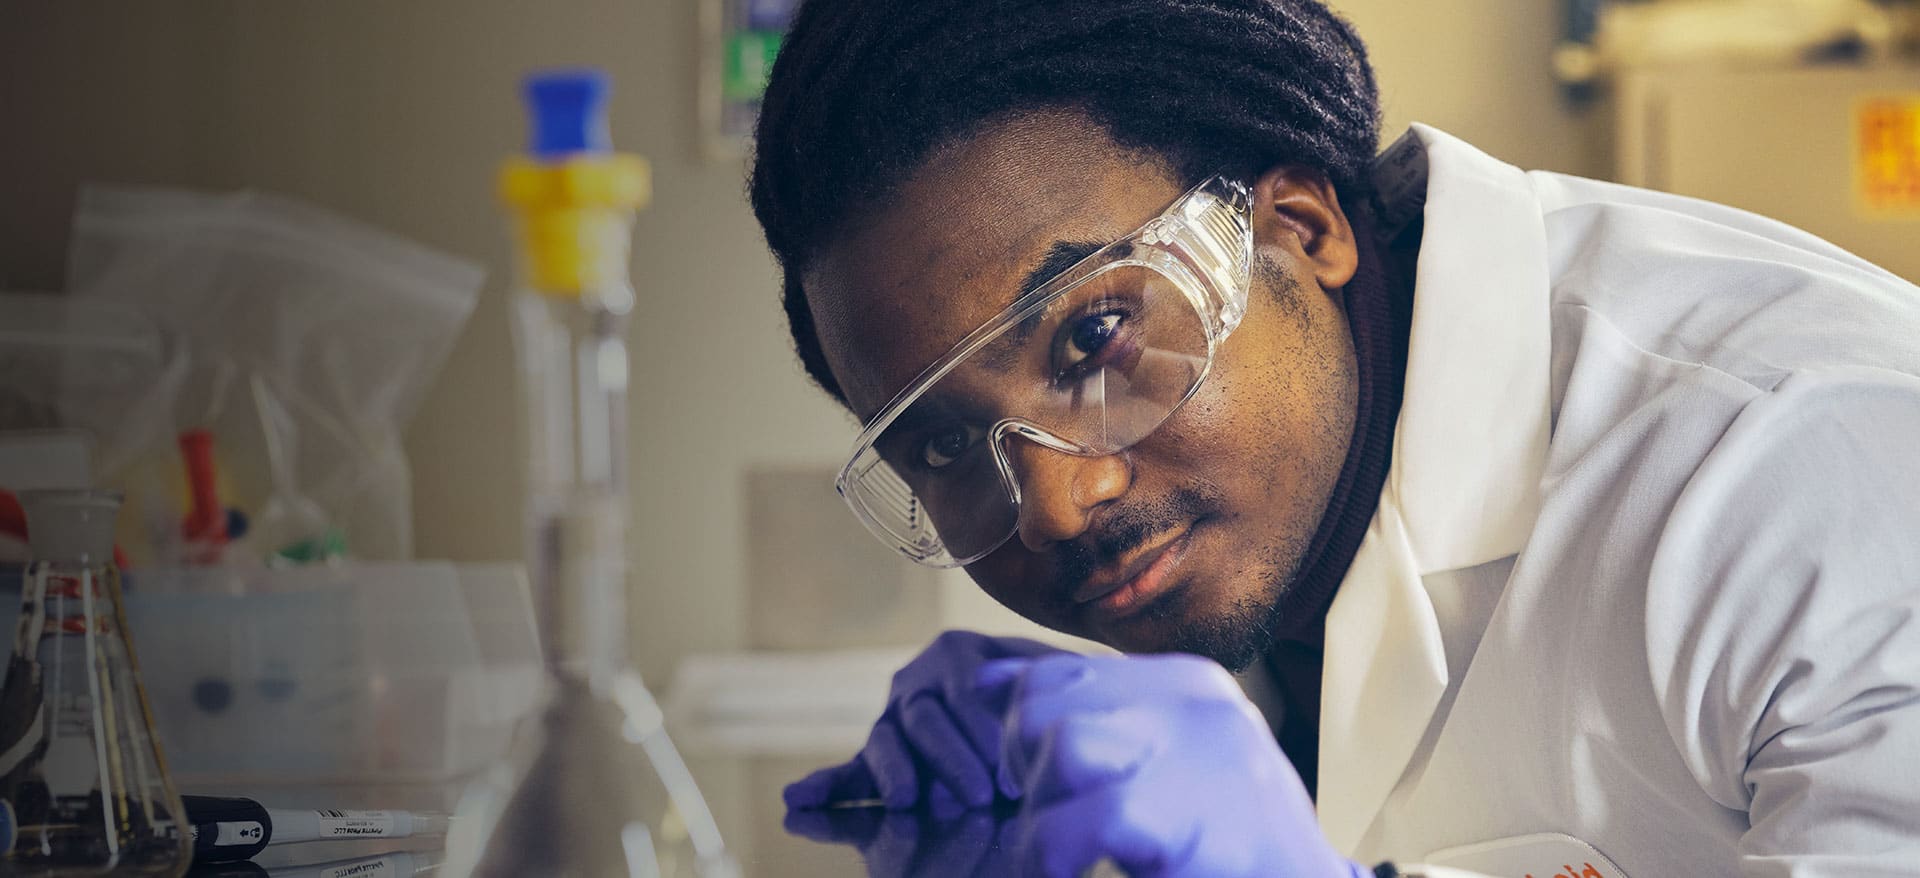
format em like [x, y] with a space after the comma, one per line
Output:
[1059, 491]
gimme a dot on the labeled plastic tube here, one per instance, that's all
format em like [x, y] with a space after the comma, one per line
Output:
[229, 829]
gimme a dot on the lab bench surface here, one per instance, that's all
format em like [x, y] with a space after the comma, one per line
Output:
[744, 794]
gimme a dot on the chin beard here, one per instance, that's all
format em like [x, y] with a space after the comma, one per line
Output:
[1248, 630]
[1236, 638]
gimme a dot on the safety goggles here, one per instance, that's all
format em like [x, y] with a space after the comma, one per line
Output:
[1087, 364]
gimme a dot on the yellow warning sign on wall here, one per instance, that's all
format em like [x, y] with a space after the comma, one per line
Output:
[1886, 156]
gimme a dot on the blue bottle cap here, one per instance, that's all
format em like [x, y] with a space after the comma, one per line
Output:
[569, 109]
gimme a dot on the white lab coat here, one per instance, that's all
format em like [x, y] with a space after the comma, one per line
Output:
[1646, 567]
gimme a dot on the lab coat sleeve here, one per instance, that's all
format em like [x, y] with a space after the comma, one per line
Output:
[1783, 621]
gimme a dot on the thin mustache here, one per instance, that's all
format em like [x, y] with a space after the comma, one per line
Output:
[1123, 530]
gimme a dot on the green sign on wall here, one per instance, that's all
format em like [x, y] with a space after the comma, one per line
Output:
[749, 58]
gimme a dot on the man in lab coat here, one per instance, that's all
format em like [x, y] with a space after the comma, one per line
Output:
[1553, 526]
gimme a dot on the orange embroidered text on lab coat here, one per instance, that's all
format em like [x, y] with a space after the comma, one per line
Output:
[1588, 872]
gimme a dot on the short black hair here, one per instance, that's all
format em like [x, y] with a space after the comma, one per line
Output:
[864, 91]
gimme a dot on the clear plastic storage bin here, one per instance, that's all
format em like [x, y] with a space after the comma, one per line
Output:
[394, 681]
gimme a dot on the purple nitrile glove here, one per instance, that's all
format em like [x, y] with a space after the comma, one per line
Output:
[936, 739]
[1158, 763]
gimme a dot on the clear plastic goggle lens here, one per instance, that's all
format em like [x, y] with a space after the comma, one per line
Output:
[1098, 369]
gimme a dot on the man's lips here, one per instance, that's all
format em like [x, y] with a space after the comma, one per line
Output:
[1142, 577]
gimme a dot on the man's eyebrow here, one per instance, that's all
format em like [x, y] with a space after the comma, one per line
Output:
[999, 354]
[1060, 257]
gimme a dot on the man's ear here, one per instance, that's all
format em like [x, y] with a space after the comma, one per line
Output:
[1296, 211]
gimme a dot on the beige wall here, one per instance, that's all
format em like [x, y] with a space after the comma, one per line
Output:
[79, 100]
[1478, 69]
[397, 113]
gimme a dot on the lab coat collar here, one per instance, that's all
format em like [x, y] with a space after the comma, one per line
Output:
[1475, 418]
[1469, 449]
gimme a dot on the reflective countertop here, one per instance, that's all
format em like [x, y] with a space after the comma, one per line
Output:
[744, 794]
[854, 842]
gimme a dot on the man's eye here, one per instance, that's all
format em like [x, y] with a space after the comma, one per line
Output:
[1085, 339]
[946, 447]
[1090, 334]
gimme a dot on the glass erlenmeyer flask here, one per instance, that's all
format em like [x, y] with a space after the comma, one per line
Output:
[79, 765]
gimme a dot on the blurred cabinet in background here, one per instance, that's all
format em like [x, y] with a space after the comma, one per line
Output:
[1833, 150]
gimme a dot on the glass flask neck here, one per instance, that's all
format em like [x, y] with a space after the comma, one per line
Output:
[71, 528]
[573, 359]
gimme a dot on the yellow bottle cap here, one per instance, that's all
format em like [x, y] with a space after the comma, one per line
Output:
[575, 216]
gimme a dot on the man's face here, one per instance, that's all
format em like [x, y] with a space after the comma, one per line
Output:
[1190, 539]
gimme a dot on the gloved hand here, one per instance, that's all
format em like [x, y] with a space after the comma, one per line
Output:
[1158, 763]
[935, 741]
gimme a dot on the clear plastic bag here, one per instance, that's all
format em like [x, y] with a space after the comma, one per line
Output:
[307, 341]
[103, 368]
[94, 366]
